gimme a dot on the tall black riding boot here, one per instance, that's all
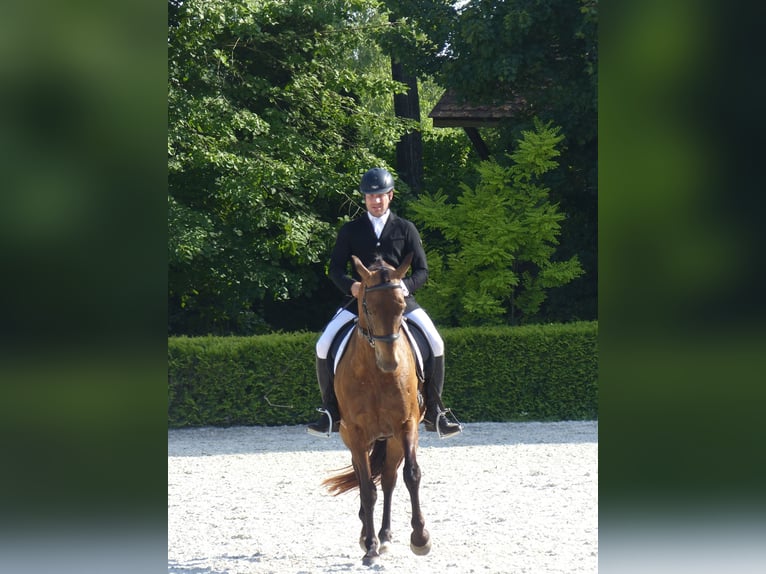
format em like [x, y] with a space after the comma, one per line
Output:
[435, 415]
[330, 419]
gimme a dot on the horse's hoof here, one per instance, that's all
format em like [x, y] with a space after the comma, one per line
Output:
[385, 546]
[370, 559]
[421, 550]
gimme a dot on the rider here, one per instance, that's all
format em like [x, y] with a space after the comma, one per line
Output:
[379, 232]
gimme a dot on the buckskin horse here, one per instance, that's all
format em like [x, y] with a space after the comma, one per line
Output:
[376, 385]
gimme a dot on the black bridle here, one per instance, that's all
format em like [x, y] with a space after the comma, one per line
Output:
[368, 332]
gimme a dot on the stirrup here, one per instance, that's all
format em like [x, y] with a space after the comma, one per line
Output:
[443, 414]
[329, 427]
[454, 421]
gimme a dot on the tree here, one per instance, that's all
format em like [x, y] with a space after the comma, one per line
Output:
[419, 30]
[268, 135]
[500, 239]
[543, 53]
[276, 108]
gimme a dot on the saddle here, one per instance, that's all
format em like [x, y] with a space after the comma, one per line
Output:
[417, 339]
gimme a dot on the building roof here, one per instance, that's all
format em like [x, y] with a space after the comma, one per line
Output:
[449, 112]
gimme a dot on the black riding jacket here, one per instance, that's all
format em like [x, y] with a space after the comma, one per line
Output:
[398, 238]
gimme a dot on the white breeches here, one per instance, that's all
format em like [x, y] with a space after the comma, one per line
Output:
[422, 320]
[325, 340]
[343, 316]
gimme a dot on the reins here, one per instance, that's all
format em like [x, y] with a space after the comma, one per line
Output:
[368, 334]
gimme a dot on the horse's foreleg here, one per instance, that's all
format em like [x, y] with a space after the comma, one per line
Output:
[385, 526]
[363, 533]
[420, 539]
[388, 478]
[368, 495]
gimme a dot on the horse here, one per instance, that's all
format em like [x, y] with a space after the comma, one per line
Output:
[376, 385]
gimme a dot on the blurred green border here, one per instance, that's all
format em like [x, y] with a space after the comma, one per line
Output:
[680, 306]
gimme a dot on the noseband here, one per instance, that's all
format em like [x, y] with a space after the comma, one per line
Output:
[368, 333]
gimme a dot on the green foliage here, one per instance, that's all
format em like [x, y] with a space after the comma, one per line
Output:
[264, 380]
[272, 119]
[545, 52]
[534, 372]
[496, 261]
[420, 31]
[448, 157]
[276, 107]
[543, 56]
[538, 372]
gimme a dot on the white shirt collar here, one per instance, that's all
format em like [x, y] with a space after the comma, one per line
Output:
[378, 223]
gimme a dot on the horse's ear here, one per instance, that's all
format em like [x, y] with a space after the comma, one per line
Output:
[363, 271]
[401, 271]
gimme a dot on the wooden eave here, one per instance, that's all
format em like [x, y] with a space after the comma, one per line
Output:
[451, 113]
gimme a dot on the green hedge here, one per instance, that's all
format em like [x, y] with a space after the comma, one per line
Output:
[536, 372]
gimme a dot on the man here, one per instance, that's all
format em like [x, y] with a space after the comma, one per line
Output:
[379, 233]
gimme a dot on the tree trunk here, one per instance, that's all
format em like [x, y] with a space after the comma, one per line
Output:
[409, 150]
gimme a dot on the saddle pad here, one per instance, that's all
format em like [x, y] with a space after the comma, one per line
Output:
[341, 348]
[415, 349]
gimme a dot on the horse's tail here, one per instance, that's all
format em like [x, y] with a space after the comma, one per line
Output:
[348, 481]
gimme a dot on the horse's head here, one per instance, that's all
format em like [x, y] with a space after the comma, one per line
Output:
[381, 307]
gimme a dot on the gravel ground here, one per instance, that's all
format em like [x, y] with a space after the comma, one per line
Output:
[499, 498]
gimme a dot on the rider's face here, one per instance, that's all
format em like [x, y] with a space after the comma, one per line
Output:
[377, 203]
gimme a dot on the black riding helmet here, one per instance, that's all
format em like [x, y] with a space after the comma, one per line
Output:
[377, 180]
